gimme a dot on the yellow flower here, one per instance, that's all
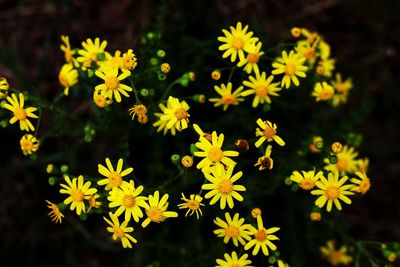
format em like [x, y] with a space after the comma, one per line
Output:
[236, 41]
[192, 204]
[216, 75]
[262, 88]
[332, 190]
[100, 100]
[55, 213]
[20, 113]
[212, 152]
[267, 132]
[313, 145]
[187, 161]
[342, 89]
[93, 203]
[129, 60]
[162, 125]
[322, 91]
[78, 192]
[324, 49]
[262, 238]
[112, 85]
[347, 162]
[307, 50]
[291, 66]
[127, 200]
[29, 144]
[233, 228]
[265, 162]
[333, 256]
[120, 231]
[252, 58]
[326, 67]
[234, 261]
[363, 165]
[114, 177]
[222, 186]
[66, 48]
[363, 184]
[156, 209]
[175, 114]
[306, 179]
[4, 86]
[227, 97]
[68, 77]
[110, 61]
[90, 52]
[139, 110]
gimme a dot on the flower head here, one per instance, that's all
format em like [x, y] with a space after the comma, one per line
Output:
[234, 261]
[249, 64]
[362, 183]
[120, 231]
[137, 110]
[342, 89]
[346, 163]
[129, 60]
[93, 203]
[89, 53]
[78, 191]
[175, 114]
[4, 86]
[291, 66]
[265, 162]
[156, 209]
[68, 77]
[222, 186]
[326, 67]
[100, 100]
[267, 132]
[55, 213]
[335, 256]
[262, 88]
[20, 113]
[227, 97]
[112, 86]
[322, 91]
[192, 204]
[29, 144]
[66, 48]
[113, 178]
[332, 190]
[233, 228]
[306, 179]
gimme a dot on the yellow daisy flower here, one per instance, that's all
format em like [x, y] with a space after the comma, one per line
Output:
[267, 132]
[114, 177]
[342, 89]
[78, 192]
[128, 200]
[363, 165]
[235, 41]
[129, 60]
[362, 184]
[249, 64]
[68, 77]
[120, 231]
[29, 144]
[156, 209]
[55, 214]
[175, 114]
[324, 49]
[20, 113]
[347, 162]
[90, 52]
[112, 85]
[192, 204]
[212, 152]
[93, 203]
[234, 261]
[110, 61]
[262, 238]
[291, 66]
[262, 88]
[335, 256]
[265, 162]
[326, 67]
[233, 228]
[100, 100]
[227, 97]
[162, 125]
[306, 179]
[4, 86]
[331, 190]
[222, 186]
[139, 110]
[66, 48]
[306, 50]
[323, 91]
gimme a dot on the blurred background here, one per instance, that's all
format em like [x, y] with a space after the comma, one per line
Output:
[365, 40]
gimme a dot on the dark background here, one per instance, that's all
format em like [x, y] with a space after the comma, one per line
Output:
[365, 40]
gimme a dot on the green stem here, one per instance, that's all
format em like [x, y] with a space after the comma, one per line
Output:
[38, 122]
[231, 74]
[166, 92]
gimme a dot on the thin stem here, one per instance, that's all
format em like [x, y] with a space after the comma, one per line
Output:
[231, 74]
[38, 122]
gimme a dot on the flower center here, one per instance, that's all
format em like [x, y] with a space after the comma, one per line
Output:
[232, 231]
[93, 57]
[92, 201]
[225, 187]
[228, 99]
[342, 164]
[269, 132]
[325, 94]
[236, 265]
[309, 53]
[365, 185]
[181, 113]
[332, 192]
[238, 43]
[290, 69]
[341, 87]
[155, 214]
[140, 110]
[26, 145]
[100, 101]
[307, 184]
[77, 195]
[115, 178]
[112, 83]
[266, 162]
[336, 256]
[208, 136]
[129, 201]
[215, 154]
[261, 90]
[63, 80]
[261, 235]
[118, 232]
[253, 58]
[193, 204]
[20, 113]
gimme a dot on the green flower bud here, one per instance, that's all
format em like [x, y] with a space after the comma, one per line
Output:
[161, 53]
[271, 259]
[64, 168]
[193, 149]
[154, 61]
[101, 56]
[176, 159]
[90, 73]
[161, 76]
[333, 159]
[319, 144]
[52, 180]
[152, 92]
[144, 92]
